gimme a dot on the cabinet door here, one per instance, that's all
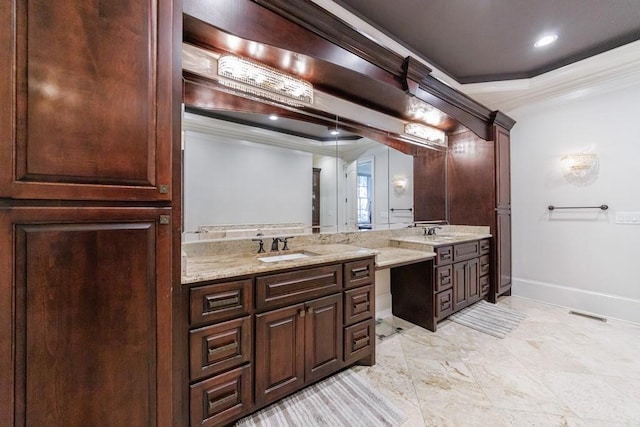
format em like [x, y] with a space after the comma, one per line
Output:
[473, 280]
[85, 317]
[459, 285]
[323, 337]
[88, 99]
[279, 358]
[503, 252]
[503, 174]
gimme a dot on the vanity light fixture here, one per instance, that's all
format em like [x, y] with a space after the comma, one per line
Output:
[420, 110]
[428, 134]
[545, 40]
[261, 80]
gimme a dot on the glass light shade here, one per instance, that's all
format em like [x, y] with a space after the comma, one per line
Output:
[430, 135]
[265, 78]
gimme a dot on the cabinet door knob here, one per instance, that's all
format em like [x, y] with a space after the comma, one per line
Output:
[310, 311]
[302, 313]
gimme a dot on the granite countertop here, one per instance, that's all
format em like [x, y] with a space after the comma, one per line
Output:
[430, 242]
[213, 267]
[224, 266]
[393, 257]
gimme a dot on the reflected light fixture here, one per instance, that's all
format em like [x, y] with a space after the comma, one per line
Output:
[545, 40]
[400, 183]
[261, 80]
[428, 134]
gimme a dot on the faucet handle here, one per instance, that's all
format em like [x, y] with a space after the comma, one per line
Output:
[261, 248]
[285, 240]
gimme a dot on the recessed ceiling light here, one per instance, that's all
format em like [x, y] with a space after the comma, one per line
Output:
[546, 40]
[335, 132]
[273, 117]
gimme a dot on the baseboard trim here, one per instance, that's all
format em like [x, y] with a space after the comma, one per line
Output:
[595, 303]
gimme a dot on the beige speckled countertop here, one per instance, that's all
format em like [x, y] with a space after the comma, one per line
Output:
[393, 257]
[215, 267]
[428, 243]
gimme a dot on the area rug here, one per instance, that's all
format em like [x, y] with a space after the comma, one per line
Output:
[344, 399]
[488, 318]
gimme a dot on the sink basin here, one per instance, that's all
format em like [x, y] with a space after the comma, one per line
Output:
[285, 257]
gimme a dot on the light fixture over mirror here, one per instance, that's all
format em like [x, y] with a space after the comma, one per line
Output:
[427, 135]
[276, 83]
[420, 110]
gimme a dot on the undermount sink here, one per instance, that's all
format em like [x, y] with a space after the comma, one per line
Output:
[286, 257]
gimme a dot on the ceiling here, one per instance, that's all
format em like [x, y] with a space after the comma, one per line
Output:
[492, 40]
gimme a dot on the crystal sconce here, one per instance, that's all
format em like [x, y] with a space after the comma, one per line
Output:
[580, 168]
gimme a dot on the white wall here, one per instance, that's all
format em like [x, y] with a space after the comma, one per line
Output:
[578, 259]
[217, 171]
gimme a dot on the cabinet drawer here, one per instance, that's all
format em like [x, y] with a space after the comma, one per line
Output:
[221, 301]
[358, 304]
[216, 348]
[484, 286]
[465, 251]
[358, 340]
[484, 265]
[443, 278]
[444, 304]
[278, 290]
[358, 273]
[485, 246]
[444, 255]
[219, 399]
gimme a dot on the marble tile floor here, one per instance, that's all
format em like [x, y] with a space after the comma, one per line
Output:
[555, 369]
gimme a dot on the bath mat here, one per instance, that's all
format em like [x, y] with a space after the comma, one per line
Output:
[344, 399]
[488, 318]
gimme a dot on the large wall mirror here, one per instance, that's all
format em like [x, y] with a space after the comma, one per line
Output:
[249, 173]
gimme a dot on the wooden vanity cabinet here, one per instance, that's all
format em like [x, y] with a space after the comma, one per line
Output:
[425, 293]
[220, 351]
[256, 339]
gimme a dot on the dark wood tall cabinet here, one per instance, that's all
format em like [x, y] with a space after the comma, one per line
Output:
[89, 101]
[480, 194]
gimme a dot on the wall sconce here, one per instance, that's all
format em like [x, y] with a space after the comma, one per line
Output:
[580, 168]
[400, 183]
[430, 135]
[270, 83]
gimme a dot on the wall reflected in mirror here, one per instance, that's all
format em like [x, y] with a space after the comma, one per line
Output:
[247, 173]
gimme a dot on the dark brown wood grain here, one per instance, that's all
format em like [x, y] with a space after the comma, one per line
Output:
[87, 100]
[323, 337]
[279, 361]
[92, 293]
[430, 185]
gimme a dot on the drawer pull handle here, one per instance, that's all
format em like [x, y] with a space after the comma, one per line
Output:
[445, 280]
[485, 267]
[360, 272]
[360, 342]
[222, 348]
[213, 302]
[223, 401]
[361, 305]
[445, 256]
